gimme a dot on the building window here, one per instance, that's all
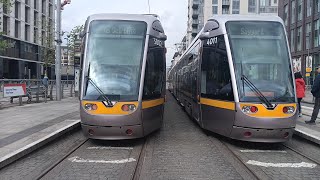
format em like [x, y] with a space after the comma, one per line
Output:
[252, 6]
[27, 14]
[225, 10]
[17, 29]
[309, 8]
[299, 38]
[214, 2]
[35, 5]
[6, 25]
[235, 7]
[292, 41]
[285, 16]
[17, 10]
[35, 19]
[316, 34]
[44, 6]
[35, 36]
[275, 1]
[27, 32]
[300, 10]
[293, 11]
[214, 9]
[317, 6]
[308, 34]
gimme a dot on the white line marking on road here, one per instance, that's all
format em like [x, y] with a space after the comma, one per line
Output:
[110, 148]
[261, 151]
[306, 107]
[293, 165]
[81, 160]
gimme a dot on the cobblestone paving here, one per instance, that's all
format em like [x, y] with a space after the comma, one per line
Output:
[283, 155]
[32, 165]
[97, 160]
[181, 150]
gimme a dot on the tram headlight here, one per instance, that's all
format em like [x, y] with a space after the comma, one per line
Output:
[249, 109]
[90, 107]
[288, 109]
[128, 107]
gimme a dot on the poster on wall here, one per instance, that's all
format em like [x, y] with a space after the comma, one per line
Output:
[296, 65]
[308, 64]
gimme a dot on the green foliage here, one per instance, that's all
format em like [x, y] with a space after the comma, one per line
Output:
[6, 5]
[47, 49]
[72, 38]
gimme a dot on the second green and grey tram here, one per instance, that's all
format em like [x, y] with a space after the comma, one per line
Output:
[122, 76]
[236, 79]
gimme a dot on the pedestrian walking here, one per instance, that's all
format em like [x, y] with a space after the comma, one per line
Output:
[300, 89]
[316, 93]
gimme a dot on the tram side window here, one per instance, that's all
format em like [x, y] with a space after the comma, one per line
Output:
[215, 72]
[154, 74]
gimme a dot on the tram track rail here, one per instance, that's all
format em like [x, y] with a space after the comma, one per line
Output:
[238, 161]
[45, 172]
[303, 155]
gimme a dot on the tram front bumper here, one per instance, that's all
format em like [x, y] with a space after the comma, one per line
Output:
[261, 135]
[112, 132]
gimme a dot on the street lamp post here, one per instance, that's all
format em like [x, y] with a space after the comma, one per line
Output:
[58, 48]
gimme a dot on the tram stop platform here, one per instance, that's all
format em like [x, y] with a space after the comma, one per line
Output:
[25, 128]
[310, 132]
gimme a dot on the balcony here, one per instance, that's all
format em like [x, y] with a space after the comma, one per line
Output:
[195, 4]
[195, 23]
[194, 32]
[195, 14]
[225, 3]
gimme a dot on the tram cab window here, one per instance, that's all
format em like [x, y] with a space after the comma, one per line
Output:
[154, 73]
[215, 72]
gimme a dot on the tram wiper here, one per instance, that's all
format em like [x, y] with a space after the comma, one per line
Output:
[257, 91]
[105, 98]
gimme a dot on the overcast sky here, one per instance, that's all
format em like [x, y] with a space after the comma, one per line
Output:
[173, 15]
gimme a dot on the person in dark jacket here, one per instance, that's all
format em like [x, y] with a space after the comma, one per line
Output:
[300, 87]
[316, 93]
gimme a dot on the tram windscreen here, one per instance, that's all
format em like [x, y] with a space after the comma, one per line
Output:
[114, 54]
[260, 52]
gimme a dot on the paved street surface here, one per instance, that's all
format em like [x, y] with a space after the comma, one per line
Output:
[180, 150]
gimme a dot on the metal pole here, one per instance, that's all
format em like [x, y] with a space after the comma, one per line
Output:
[258, 6]
[149, 5]
[58, 52]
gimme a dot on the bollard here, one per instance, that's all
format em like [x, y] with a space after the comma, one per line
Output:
[62, 88]
[45, 94]
[71, 89]
[51, 89]
[37, 92]
[20, 100]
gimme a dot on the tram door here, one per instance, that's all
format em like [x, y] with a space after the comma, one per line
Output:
[154, 87]
[217, 101]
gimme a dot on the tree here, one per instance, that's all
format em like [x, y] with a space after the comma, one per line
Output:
[72, 38]
[47, 48]
[5, 7]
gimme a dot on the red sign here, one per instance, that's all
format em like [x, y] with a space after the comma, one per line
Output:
[10, 90]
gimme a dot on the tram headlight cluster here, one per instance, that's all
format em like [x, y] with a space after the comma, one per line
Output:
[249, 109]
[90, 107]
[128, 107]
[288, 109]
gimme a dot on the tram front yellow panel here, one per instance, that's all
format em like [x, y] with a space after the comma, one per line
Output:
[115, 110]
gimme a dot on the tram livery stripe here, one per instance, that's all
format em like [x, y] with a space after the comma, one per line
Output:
[152, 103]
[217, 103]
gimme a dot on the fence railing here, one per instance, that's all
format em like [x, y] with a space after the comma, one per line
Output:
[36, 91]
